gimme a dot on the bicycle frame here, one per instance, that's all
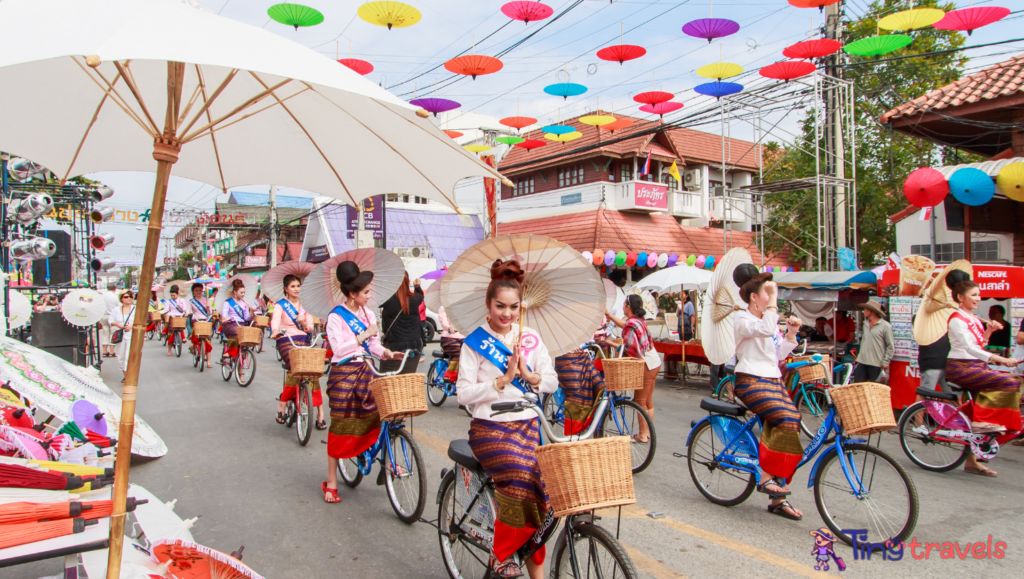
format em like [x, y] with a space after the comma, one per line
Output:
[440, 367]
[380, 448]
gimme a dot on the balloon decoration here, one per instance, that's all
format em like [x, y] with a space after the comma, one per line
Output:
[295, 15]
[609, 258]
[358, 66]
[473, 65]
[653, 97]
[390, 14]
[718, 89]
[435, 105]
[711, 28]
[1011, 181]
[565, 89]
[661, 109]
[631, 258]
[970, 19]
[558, 129]
[812, 48]
[527, 11]
[692, 259]
[530, 144]
[709, 263]
[911, 19]
[878, 45]
[925, 187]
[663, 260]
[672, 260]
[787, 69]
[971, 186]
[620, 259]
[518, 123]
[700, 261]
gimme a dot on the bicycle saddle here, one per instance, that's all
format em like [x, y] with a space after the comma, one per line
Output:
[438, 354]
[461, 453]
[929, 393]
[719, 407]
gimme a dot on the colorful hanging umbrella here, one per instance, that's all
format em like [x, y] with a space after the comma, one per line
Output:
[565, 89]
[878, 45]
[653, 97]
[510, 140]
[787, 69]
[971, 19]
[88, 417]
[452, 134]
[911, 19]
[518, 122]
[597, 120]
[718, 89]
[530, 144]
[720, 70]
[390, 14]
[272, 283]
[621, 52]
[24, 533]
[1010, 180]
[558, 129]
[477, 148]
[812, 48]
[925, 187]
[473, 65]
[563, 138]
[295, 15]
[359, 66]
[527, 11]
[190, 560]
[819, 4]
[631, 258]
[617, 125]
[435, 105]
[711, 28]
[662, 109]
[321, 291]
[971, 186]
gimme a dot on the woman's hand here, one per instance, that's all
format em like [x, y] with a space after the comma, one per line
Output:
[389, 355]
[510, 374]
[1004, 361]
[772, 289]
[993, 326]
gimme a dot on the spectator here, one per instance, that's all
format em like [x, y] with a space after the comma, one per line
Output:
[403, 330]
[841, 327]
[877, 345]
[999, 338]
[111, 302]
[687, 317]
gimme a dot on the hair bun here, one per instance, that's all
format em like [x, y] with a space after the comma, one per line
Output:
[347, 271]
[743, 273]
[507, 270]
[956, 276]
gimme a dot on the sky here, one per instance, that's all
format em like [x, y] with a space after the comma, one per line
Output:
[408, 61]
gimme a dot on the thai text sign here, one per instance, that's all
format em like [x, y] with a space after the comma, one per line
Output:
[650, 195]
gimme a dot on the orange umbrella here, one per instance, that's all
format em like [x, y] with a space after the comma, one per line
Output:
[100, 509]
[23, 533]
[189, 560]
[473, 65]
[32, 512]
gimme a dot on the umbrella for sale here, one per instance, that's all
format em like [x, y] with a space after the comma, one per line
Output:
[878, 45]
[435, 105]
[720, 301]
[30, 495]
[136, 562]
[660, 109]
[787, 69]
[58, 445]
[157, 518]
[8, 398]
[83, 307]
[24, 446]
[11, 416]
[79, 454]
[321, 291]
[24, 512]
[937, 305]
[88, 417]
[812, 48]
[295, 15]
[563, 297]
[1010, 181]
[75, 469]
[530, 144]
[73, 430]
[526, 11]
[273, 281]
[250, 283]
[972, 186]
[972, 18]
[686, 276]
[20, 310]
[190, 560]
[390, 14]
[925, 187]
[99, 440]
[24, 533]
[100, 509]
[16, 476]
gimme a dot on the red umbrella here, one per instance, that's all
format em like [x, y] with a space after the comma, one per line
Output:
[518, 122]
[526, 11]
[619, 124]
[24, 533]
[32, 512]
[453, 134]
[787, 69]
[813, 48]
[925, 187]
[189, 560]
[971, 19]
[359, 66]
[100, 440]
[653, 97]
[16, 417]
[100, 509]
[17, 476]
[530, 144]
[819, 4]
[621, 52]
[473, 65]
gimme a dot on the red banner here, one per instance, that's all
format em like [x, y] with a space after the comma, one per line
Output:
[490, 192]
[995, 281]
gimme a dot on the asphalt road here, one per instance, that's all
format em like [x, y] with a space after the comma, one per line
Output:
[253, 485]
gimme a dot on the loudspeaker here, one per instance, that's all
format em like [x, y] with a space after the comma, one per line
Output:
[59, 264]
[49, 330]
[68, 353]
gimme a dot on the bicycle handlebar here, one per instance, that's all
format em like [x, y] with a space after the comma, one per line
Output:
[312, 344]
[815, 359]
[378, 374]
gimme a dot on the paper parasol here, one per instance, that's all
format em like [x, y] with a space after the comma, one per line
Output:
[453, 134]
[473, 65]
[25, 446]
[653, 97]
[190, 560]
[21, 310]
[617, 125]
[610, 293]
[83, 307]
[88, 417]
[359, 66]
[563, 296]
[432, 297]
[971, 186]
[390, 14]
[720, 70]
[819, 4]
[911, 19]
[878, 45]
[436, 274]
[787, 69]
[510, 140]
[718, 89]
[648, 300]
[621, 52]
[563, 138]
[518, 122]
[970, 19]
[1010, 181]
[272, 283]
[720, 301]
[477, 148]
[295, 15]
[925, 187]
[597, 120]
[710, 28]
[250, 283]
[14, 416]
[812, 48]
[932, 319]
[157, 518]
[527, 11]
[435, 105]
[530, 144]
[321, 290]
[662, 109]
[565, 89]
[558, 129]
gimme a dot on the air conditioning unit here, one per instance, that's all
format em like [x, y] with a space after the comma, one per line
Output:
[418, 251]
[718, 191]
[693, 179]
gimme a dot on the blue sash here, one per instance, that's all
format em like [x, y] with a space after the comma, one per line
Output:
[354, 323]
[495, 352]
[174, 303]
[234, 305]
[291, 311]
[201, 307]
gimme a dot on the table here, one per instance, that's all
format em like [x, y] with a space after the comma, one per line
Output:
[682, 353]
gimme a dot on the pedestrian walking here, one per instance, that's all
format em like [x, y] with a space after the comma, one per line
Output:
[111, 302]
[403, 329]
[121, 320]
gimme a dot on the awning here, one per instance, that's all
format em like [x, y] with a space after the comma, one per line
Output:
[827, 280]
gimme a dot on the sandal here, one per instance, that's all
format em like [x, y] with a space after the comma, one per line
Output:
[280, 418]
[637, 439]
[321, 425]
[763, 488]
[981, 471]
[507, 569]
[780, 510]
[333, 493]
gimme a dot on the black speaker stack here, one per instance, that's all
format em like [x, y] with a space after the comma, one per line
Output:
[51, 333]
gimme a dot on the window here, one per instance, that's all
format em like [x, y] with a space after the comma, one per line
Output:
[405, 198]
[524, 186]
[392, 198]
[419, 200]
[673, 185]
[950, 252]
[571, 175]
[627, 170]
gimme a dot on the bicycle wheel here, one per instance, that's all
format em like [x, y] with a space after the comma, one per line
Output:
[624, 419]
[435, 391]
[177, 344]
[598, 554]
[150, 334]
[405, 480]
[724, 390]
[722, 485]
[348, 470]
[245, 368]
[203, 356]
[812, 403]
[227, 366]
[464, 556]
[196, 357]
[553, 412]
[885, 507]
[304, 410]
[915, 428]
[259, 347]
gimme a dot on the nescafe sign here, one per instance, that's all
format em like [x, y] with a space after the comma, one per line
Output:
[650, 195]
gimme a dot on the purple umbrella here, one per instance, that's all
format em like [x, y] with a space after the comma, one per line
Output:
[436, 274]
[435, 105]
[711, 28]
[88, 417]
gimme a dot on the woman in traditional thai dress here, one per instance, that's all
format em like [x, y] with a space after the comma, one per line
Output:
[176, 308]
[234, 312]
[200, 310]
[497, 364]
[291, 321]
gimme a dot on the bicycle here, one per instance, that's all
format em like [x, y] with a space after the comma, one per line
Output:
[439, 387]
[466, 515]
[300, 411]
[199, 355]
[401, 464]
[243, 367]
[855, 484]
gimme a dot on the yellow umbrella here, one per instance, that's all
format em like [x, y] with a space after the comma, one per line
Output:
[477, 148]
[911, 19]
[1010, 181]
[597, 120]
[390, 14]
[720, 70]
[563, 138]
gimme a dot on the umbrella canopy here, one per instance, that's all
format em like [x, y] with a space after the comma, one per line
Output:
[878, 45]
[432, 297]
[24, 533]
[88, 417]
[273, 281]
[558, 129]
[157, 518]
[597, 120]
[17, 476]
[932, 319]
[136, 563]
[925, 187]
[295, 15]
[972, 186]
[972, 18]
[21, 417]
[621, 52]
[453, 134]
[563, 138]
[83, 307]
[653, 97]
[787, 69]
[661, 109]
[24, 512]
[526, 11]
[20, 308]
[190, 560]
[911, 19]
[22, 444]
[530, 144]
[183, 289]
[357, 65]
[720, 70]
[321, 291]
[473, 65]
[510, 140]
[518, 122]
[720, 301]
[650, 306]
[812, 48]
[718, 89]
[687, 276]
[250, 283]
[711, 28]
[477, 148]
[611, 293]
[819, 4]
[390, 14]
[565, 89]
[619, 124]
[14, 495]
[1010, 181]
[436, 274]
[563, 295]
[436, 105]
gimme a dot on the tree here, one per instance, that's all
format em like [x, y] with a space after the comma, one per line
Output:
[884, 158]
[179, 273]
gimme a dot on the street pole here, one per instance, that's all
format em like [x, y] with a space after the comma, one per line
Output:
[838, 205]
[273, 226]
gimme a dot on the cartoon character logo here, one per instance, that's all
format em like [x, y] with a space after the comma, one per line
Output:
[822, 550]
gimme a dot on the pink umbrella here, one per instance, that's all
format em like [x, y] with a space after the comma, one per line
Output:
[24, 445]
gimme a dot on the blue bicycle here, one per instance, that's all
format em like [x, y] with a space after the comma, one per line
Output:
[857, 486]
[439, 388]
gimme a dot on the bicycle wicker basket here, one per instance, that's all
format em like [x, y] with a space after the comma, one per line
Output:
[153, 317]
[587, 474]
[864, 408]
[814, 372]
[202, 329]
[248, 336]
[622, 374]
[261, 321]
[178, 323]
[307, 362]
[400, 396]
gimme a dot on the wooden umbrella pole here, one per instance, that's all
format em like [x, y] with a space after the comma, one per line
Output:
[165, 151]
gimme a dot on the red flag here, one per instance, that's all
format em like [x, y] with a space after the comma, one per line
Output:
[490, 192]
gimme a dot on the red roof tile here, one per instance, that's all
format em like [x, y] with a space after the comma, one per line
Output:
[910, 210]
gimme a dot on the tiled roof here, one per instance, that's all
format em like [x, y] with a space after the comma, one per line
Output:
[907, 212]
[1005, 78]
[692, 146]
[618, 230]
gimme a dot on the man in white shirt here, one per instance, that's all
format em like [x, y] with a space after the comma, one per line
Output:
[111, 302]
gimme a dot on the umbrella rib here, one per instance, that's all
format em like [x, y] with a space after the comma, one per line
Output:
[242, 118]
[192, 99]
[213, 97]
[251, 101]
[109, 89]
[85, 135]
[209, 117]
[128, 80]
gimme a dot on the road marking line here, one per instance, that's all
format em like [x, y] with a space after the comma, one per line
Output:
[651, 566]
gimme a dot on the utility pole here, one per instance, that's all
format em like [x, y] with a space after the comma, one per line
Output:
[834, 106]
[273, 226]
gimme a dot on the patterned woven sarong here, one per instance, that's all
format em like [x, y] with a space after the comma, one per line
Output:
[452, 347]
[996, 395]
[291, 382]
[230, 329]
[506, 451]
[582, 385]
[780, 449]
[355, 423]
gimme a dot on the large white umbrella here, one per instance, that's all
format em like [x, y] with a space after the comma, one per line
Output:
[83, 307]
[720, 301]
[686, 276]
[321, 291]
[21, 310]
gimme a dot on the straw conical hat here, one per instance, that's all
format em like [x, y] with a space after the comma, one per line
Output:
[720, 301]
[931, 321]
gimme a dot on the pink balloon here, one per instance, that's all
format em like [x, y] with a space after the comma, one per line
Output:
[652, 260]
[700, 261]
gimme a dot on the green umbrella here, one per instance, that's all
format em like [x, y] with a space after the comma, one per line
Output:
[510, 140]
[620, 258]
[295, 15]
[71, 429]
[878, 45]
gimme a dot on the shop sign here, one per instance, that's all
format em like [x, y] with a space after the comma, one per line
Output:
[254, 261]
[650, 195]
[995, 281]
[317, 254]
[572, 199]
[170, 261]
[373, 217]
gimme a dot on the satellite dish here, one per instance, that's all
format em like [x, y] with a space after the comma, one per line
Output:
[24, 170]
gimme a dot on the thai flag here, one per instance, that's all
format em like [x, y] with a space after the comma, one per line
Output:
[647, 166]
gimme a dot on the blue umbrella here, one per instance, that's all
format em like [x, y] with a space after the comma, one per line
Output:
[565, 89]
[718, 89]
[558, 129]
[972, 186]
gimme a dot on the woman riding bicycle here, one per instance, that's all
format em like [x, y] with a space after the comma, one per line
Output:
[491, 358]
[234, 312]
[176, 308]
[291, 321]
[760, 348]
[638, 344]
[997, 395]
[201, 311]
[352, 331]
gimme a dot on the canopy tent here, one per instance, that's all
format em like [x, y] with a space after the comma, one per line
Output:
[827, 280]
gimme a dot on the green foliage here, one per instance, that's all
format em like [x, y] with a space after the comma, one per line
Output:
[179, 273]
